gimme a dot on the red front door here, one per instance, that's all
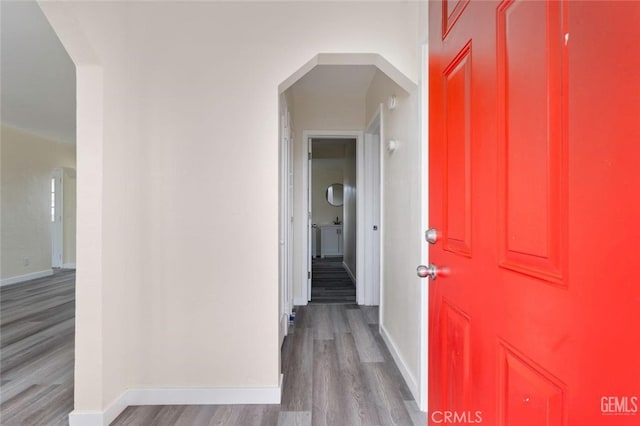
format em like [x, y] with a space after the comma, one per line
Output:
[535, 189]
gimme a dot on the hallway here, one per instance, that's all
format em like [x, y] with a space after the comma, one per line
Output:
[337, 370]
[337, 367]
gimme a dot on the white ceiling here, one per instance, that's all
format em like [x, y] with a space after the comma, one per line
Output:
[334, 80]
[38, 91]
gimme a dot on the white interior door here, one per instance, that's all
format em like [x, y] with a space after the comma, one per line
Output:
[289, 208]
[286, 220]
[372, 211]
[373, 260]
[56, 218]
[309, 218]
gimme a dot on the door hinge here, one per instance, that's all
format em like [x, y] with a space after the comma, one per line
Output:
[308, 275]
[309, 155]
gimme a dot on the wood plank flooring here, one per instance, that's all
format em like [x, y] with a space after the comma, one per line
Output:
[36, 350]
[330, 282]
[337, 370]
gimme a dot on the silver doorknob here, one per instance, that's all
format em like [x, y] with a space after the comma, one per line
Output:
[431, 235]
[430, 271]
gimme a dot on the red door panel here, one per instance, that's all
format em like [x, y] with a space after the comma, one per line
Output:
[528, 395]
[457, 213]
[531, 115]
[455, 358]
[451, 11]
[534, 183]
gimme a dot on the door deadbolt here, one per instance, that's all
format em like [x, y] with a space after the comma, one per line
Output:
[431, 235]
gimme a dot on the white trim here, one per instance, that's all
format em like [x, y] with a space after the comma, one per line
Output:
[26, 277]
[69, 266]
[100, 418]
[204, 396]
[300, 301]
[351, 275]
[303, 299]
[423, 368]
[285, 231]
[383, 231]
[284, 327]
[402, 366]
[361, 271]
[177, 396]
[87, 418]
[358, 135]
[372, 170]
[114, 409]
[309, 229]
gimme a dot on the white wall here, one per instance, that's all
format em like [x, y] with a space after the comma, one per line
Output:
[401, 235]
[27, 164]
[189, 146]
[111, 301]
[325, 172]
[350, 213]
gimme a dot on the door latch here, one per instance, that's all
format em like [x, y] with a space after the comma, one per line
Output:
[430, 271]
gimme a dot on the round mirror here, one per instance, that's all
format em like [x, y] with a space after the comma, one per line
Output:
[335, 194]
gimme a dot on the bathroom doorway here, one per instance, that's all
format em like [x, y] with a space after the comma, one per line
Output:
[332, 201]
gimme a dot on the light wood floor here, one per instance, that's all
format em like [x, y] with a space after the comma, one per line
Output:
[337, 370]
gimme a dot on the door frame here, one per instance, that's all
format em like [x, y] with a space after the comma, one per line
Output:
[423, 93]
[285, 262]
[304, 279]
[373, 172]
[57, 225]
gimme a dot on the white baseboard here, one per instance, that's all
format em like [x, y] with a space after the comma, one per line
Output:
[100, 418]
[87, 418]
[69, 266]
[176, 396]
[351, 274]
[402, 366]
[194, 396]
[284, 327]
[300, 301]
[26, 277]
